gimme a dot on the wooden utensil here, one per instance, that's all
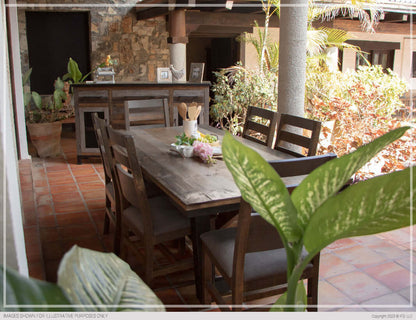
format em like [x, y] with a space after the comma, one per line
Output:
[193, 112]
[182, 109]
[198, 111]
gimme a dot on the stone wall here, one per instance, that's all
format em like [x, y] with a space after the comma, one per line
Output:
[140, 46]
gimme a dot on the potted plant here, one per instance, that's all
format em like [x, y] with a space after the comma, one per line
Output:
[43, 117]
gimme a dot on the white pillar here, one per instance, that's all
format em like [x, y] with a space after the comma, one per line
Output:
[178, 60]
[292, 56]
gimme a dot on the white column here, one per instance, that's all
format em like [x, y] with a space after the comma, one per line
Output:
[292, 56]
[178, 60]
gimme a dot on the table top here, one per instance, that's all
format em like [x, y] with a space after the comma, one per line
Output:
[194, 186]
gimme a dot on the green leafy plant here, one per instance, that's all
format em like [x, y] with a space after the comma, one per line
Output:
[316, 213]
[87, 281]
[184, 140]
[48, 109]
[74, 75]
[235, 89]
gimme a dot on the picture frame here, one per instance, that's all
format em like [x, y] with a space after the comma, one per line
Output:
[196, 72]
[164, 75]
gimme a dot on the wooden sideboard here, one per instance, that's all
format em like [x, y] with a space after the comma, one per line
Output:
[107, 99]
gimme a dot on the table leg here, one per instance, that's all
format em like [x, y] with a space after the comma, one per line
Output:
[199, 225]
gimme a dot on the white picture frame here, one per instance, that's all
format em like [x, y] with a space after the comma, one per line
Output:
[196, 72]
[164, 75]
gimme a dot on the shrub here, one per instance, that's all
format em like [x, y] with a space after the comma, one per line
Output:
[362, 103]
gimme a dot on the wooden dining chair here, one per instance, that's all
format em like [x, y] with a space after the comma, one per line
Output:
[146, 113]
[294, 133]
[153, 221]
[260, 125]
[250, 257]
[112, 202]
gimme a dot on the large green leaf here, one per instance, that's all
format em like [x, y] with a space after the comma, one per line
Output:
[328, 179]
[99, 281]
[261, 186]
[376, 205]
[37, 99]
[28, 294]
[74, 71]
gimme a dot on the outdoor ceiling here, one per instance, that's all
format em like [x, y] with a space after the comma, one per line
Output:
[146, 9]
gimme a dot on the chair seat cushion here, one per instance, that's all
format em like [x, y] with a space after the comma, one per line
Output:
[261, 269]
[166, 218]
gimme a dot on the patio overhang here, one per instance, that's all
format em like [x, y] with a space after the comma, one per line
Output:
[205, 18]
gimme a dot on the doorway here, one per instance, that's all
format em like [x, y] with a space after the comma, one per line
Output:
[217, 53]
[54, 37]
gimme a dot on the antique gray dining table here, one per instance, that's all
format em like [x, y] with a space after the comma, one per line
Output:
[197, 189]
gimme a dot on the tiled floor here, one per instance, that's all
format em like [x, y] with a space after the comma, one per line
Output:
[64, 205]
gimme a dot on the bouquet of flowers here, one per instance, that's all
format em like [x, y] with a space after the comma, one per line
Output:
[204, 151]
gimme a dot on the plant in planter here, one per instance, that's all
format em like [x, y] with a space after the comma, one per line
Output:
[43, 116]
[88, 280]
[316, 214]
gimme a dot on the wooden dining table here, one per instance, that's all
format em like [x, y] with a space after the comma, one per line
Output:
[197, 189]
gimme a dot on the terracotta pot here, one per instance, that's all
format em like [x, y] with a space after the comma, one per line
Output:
[46, 137]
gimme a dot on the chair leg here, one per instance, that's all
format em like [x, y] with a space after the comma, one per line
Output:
[313, 293]
[148, 263]
[207, 277]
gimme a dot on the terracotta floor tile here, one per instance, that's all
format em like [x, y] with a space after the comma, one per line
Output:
[330, 265]
[406, 294]
[89, 179]
[69, 207]
[406, 262]
[340, 244]
[60, 180]
[45, 210]
[358, 286]
[397, 236]
[49, 234]
[41, 190]
[58, 174]
[94, 194]
[390, 274]
[40, 182]
[95, 204]
[392, 302]
[43, 199]
[67, 197]
[91, 186]
[387, 249]
[329, 297]
[83, 170]
[72, 218]
[47, 221]
[359, 256]
[76, 231]
[64, 188]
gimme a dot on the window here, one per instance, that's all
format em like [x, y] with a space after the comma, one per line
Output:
[385, 58]
[376, 53]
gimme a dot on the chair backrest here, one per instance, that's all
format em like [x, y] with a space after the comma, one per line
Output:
[146, 113]
[291, 136]
[260, 125]
[100, 128]
[129, 175]
[253, 232]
